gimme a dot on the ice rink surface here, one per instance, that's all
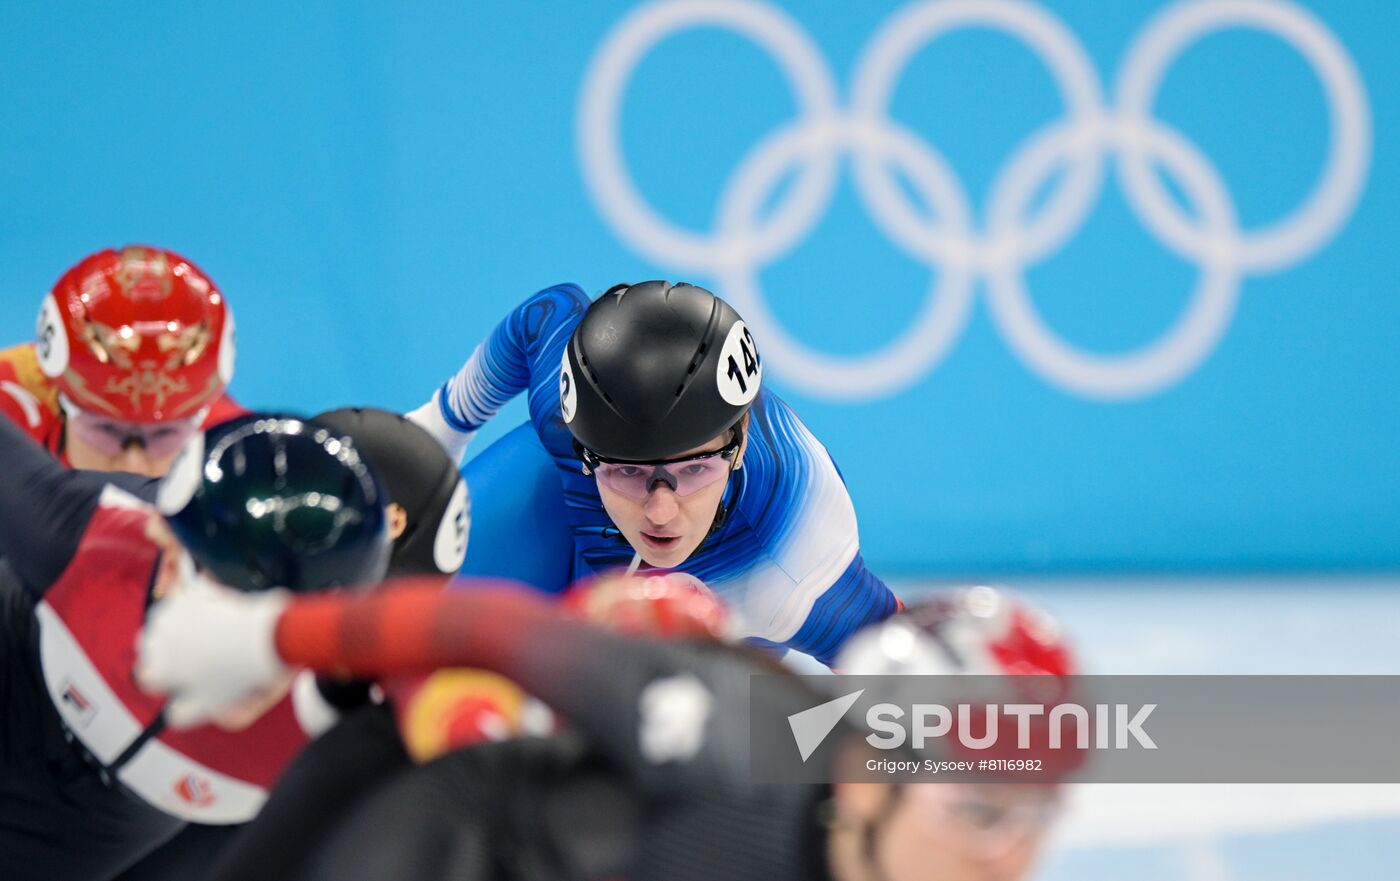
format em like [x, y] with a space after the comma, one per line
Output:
[1257, 625]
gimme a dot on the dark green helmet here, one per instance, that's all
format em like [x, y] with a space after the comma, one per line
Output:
[276, 501]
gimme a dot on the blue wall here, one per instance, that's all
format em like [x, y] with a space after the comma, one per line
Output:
[374, 184]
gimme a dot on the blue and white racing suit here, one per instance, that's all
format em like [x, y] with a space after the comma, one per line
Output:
[786, 558]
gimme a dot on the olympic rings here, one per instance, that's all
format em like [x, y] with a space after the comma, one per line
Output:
[958, 249]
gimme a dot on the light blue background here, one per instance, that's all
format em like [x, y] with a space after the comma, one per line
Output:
[374, 185]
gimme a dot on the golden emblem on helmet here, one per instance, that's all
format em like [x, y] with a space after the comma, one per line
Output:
[155, 383]
[87, 398]
[143, 274]
[112, 345]
[185, 345]
[181, 346]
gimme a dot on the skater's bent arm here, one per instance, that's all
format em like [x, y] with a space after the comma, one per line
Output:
[594, 678]
[505, 364]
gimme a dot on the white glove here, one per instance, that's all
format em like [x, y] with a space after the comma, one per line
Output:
[314, 713]
[211, 649]
[429, 418]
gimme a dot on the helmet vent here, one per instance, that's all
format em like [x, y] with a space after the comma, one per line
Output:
[592, 374]
[696, 361]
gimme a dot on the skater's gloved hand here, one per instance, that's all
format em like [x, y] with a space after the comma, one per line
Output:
[429, 417]
[211, 649]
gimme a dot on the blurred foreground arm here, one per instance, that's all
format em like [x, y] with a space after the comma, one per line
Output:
[645, 703]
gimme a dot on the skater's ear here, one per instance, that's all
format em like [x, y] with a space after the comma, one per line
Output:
[398, 520]
[743, 427]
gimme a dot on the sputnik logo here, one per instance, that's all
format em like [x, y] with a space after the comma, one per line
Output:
[810, 727]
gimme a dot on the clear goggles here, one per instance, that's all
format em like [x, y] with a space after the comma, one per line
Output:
[112, 437]
[685, 475]
[994, 818]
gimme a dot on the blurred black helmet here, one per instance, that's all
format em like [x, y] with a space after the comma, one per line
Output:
[416, 474]
[656, 369]
[268, 501]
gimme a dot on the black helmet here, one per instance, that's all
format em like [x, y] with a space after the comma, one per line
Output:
[655, 369]
[416, 474]
[275, 501]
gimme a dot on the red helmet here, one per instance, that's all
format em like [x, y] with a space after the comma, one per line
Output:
[1015, 650]
[140, 335]
[672, 605]
[976, 630]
